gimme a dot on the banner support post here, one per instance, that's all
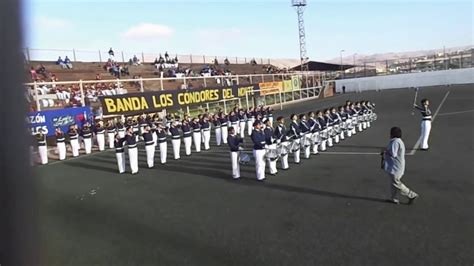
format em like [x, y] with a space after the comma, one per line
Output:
[141, 85]
[83, 102]
[247, 98]
[38, 106]
[281, 103]
[161, 80]
[205, 83]
[225, 107]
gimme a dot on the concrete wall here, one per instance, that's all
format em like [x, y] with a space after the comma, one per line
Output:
[435, 78]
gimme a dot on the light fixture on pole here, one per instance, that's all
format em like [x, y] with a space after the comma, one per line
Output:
[300, 5]
[342, 72]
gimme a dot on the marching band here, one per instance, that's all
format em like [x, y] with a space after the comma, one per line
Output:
[308, 133]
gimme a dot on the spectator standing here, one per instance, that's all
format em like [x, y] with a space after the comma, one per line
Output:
[111, 54]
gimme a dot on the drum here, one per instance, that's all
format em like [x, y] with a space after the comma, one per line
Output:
[283, 148]
[244, 158]
[324, 134]
[271, 153]
[331, 132]
[337, 129]
[306, 140]
[315, 138]
[294, 146]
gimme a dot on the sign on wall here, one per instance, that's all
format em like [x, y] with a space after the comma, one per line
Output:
[268, 88]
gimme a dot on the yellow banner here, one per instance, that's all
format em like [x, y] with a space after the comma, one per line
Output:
[287, 86]
[267, 88]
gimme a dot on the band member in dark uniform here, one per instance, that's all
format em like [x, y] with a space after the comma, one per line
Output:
[242, 121]
[217, 129]
[271, 145]
[175, 139]
[281, 139]
[100, 135]
[336, 123]
[60, 144]
[305, 136]
[234, 142]
[162, 135]
[121, 129]
[234, 121]
[224, 127]
[324, 130]
[42, 147]
[149, 146]
[111, 130]
[131, 141]
[74, 140]
[206, 131]
[314, 128]
[295, 137]
[329, 124]
[250, 119]
[196, 134]
[259, 142]
[86, 134]
[425, 122]
[343, 116]
[187, 136]
[119, 153]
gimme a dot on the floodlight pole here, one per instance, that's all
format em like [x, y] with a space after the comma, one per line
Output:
[300, 6]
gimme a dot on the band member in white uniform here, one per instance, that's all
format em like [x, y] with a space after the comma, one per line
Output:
[132, 150]
[250, 119]
[281, 139]
[217, 129]
[336, 123]
[196, 126]
[60, 144]
[271, 144]
[121, 130]
[305, 136]
[350, 113]
[86, 133]
[343, 116]
[234, 121]
[42, 147]
[258, 139]
[175, 139]
[187, 136]
[234, 142]
[329, 124]
[111, 130]
[74, 140]
[354, 118]
[295, 137]
[100, 135]
[161, 133]
[149, 146]
[224, 122]
[425, 123]
[120, 153]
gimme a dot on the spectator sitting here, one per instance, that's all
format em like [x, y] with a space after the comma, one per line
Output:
[124, 70]
[111, 54]
[176, 59]
[167, 57]
[253, 62]
[61, 62]
[226, 61]
[161, 60]
[41, 70]
[216, 62]
[98, 76]
[68, 63]
[34, 76]
[136, 61]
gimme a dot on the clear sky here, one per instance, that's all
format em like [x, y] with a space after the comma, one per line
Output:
[252, 28]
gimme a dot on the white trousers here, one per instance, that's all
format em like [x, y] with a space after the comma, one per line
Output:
[43, 153]
[250, 126]
[315, 145]
[296, 154]
[163, 152]
[88, 145]
[425, 133]
[271, 120]
[62, 150]
[329, 141]
[218, 136]
[187, 145]
[284, 161]
[176, 147]
[234, 158]
[224, 131]
[101, 141]
[359, 127]
[150, 155]
[75, 147]
[111, 139]
[336, 138]
[120, 161]
[197, 141]
[133, 159]
[206, 139]
[259, 156]
[272, 164]
[342, 135]
[397, 187]
[307, 151]
[155, 138]
[242, 129]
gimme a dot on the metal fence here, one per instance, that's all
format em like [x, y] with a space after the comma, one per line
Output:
[33, 54]
[433, 62]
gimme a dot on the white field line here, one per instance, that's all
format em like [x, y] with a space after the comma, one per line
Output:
[455, 113]
[418, 142]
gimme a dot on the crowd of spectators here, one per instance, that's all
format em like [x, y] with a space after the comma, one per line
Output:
[66, 63]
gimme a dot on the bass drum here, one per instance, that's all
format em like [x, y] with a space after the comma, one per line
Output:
[294, 146]
[283, 148]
